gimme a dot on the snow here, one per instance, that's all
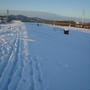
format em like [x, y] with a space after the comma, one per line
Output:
[42, 57]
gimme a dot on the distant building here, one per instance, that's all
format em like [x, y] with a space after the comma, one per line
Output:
[66, 23]
[78, 24]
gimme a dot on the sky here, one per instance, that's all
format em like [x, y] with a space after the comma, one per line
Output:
[70, 8]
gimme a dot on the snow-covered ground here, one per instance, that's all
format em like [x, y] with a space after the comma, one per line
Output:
[42, 57]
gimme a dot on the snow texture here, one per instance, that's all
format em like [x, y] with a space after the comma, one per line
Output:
[42, 57]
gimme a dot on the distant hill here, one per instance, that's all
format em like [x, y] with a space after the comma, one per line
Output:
[40, 15]
[23, 18]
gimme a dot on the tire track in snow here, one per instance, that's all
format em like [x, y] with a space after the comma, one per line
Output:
[4, 63]
[31, 75]
[9, 69]
[37, 75]
[18, 70]
[20, 65]
[21, 71]
[26, 82]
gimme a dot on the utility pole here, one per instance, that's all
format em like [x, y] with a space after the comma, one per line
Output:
[88, 19]
[7, 13]
[83, 16]
[0, 18]
[0, 14]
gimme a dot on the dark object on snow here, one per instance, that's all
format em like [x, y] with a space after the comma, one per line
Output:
[38, 25]
[66, 31]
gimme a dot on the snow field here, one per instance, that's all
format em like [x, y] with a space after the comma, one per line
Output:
[41, 57]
